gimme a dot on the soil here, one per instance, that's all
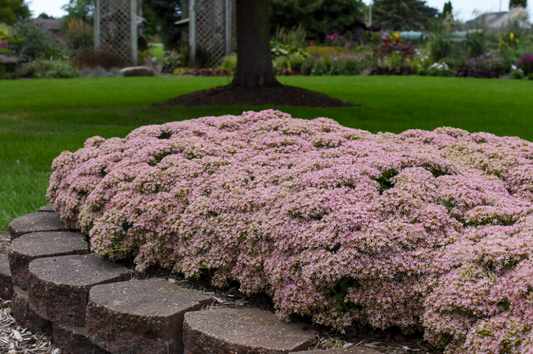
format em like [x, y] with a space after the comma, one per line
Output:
[289, 96]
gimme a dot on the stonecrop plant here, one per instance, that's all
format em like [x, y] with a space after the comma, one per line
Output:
[425, 230]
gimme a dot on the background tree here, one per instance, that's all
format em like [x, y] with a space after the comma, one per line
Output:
[161, 16]
[448, 10]
[79, 9]
[254, 60]
[12, 10]
[45, 16]
[318, 17]
[82, 10]
[516, 3]
[402, 15]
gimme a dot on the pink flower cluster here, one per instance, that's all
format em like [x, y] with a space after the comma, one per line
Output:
[422, 230]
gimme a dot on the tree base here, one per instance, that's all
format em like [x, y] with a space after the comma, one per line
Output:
[288, 96]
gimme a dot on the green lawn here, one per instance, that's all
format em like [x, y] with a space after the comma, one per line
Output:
[41, 118]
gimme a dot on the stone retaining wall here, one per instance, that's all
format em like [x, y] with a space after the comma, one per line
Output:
[91, 306]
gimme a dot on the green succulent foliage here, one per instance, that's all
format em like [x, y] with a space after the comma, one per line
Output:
[12, 10]
[318, 17]
[400, 15]
[516, 3]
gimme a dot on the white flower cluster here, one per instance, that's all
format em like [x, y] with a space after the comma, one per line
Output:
[440, 66]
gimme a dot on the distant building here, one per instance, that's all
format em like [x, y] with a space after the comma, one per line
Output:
[52, 24]
[497, 20]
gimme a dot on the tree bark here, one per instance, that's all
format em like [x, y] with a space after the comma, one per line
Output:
[254, 59]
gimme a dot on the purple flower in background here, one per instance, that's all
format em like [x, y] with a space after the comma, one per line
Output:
[526, 64]
[4, 44]
[526, 59]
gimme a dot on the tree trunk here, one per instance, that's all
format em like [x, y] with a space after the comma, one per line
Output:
[254, 59]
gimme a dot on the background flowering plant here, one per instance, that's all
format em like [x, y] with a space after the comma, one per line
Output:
[482, 67]
[526, 64]
[422, 230]
[440, 69]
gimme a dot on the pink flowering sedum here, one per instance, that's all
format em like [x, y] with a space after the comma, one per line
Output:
[422, 230]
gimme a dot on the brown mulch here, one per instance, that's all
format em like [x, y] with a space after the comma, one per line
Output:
[289, 96]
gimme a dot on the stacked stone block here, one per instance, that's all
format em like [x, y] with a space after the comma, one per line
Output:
[92, 306]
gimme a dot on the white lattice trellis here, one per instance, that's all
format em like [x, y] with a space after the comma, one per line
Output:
[211, 29]
[115, 24]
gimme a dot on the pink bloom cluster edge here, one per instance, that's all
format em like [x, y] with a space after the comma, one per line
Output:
[427, 230]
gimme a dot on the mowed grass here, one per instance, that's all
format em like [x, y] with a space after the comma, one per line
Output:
[41, 118]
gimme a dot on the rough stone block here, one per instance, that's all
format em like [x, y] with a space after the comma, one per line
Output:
[74, 340]
[59, 286]
[352, 350]
[40, 245]
[140, 316]
[6, 283]
[25, 316]
[36, 222]
[243, 331]
[47, 209]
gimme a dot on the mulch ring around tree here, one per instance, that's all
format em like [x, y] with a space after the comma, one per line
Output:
[289, 96]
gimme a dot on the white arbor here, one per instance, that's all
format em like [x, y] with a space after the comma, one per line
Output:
[210, 30]
[116, 26]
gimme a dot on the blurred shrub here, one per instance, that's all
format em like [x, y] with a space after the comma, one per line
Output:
[321, 67]
[182, 71]
[326, 52]
[393, 61]
[47, 69]
[386, 71]
[32, 41]
[103, 57]
[79, 35]
[482, 67]
[476, 44]
[440, 69]
[100, 72]
[443, 46]
[229, 63]
[296, 60]
[307, 66]
[420, 61]
[517, 74]
[171, 61]
[349, 65]
[530, 77]
[510, 56]
[291, 62]
[294, 37]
